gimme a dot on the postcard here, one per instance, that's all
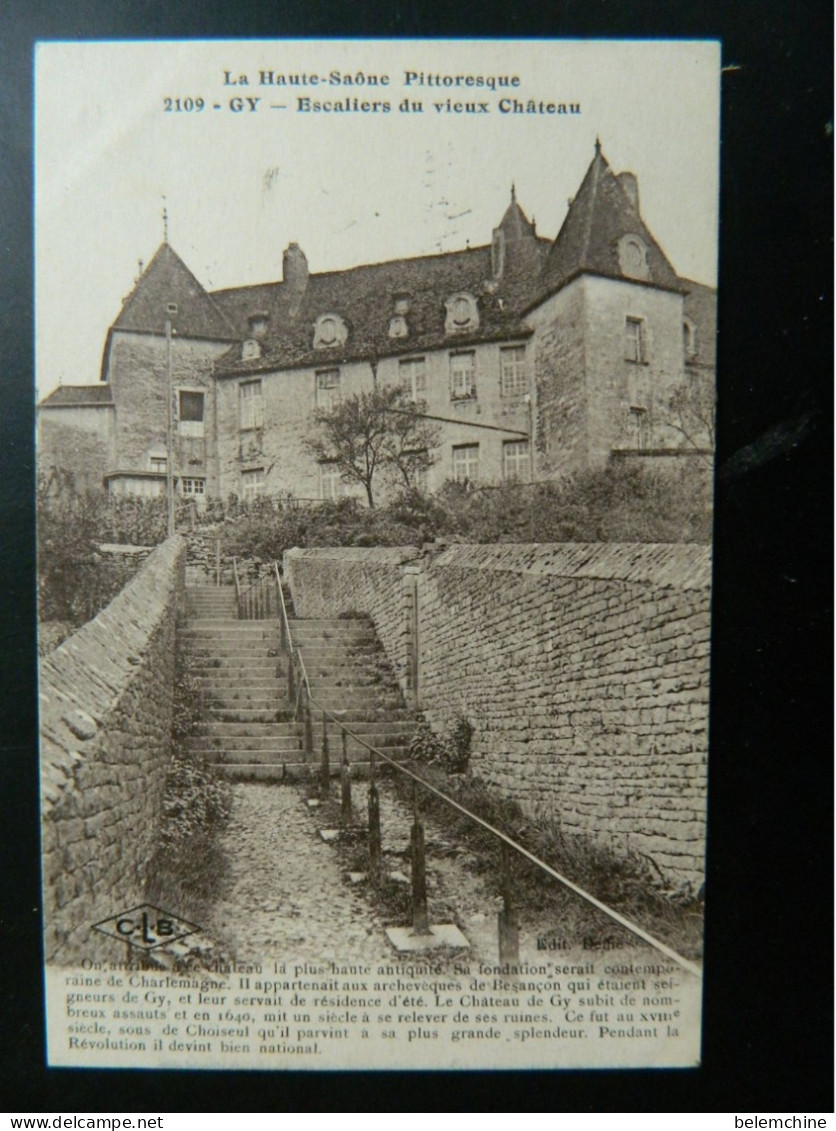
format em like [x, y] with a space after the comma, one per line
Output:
[375, 460]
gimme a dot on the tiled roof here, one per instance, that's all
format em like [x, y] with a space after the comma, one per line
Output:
[66, 396]
[598, 217]
[364, 298]
[166, 280]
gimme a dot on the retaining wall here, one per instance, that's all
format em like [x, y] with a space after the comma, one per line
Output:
[582, 668]
[105, 707]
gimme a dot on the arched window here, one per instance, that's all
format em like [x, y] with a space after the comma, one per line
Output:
[689, 337]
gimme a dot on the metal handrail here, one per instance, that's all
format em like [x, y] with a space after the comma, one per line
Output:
[237, 584]
[616, 916]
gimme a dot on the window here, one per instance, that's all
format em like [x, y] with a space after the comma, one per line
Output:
[515, 464]
[330, 482]
[462, 376]
[512, 371]
[462, 314]
[159, 464]
[251, 405]
[639, 415]
[252, 482]
[190, 416]
[632, 257]
[193, 486]
[329, 331]
[634, 340]
[689, 338]
[327, 389]
[466, 463]
[413, 372]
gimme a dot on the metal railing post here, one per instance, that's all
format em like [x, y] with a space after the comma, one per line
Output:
[508, 922]
[345, 782]
[420, 916]
[374, 824]
[324, 766]
[306, 708]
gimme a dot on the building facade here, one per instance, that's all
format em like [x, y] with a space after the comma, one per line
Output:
[533, 357]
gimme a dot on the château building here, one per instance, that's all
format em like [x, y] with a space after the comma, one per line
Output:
[534, 356]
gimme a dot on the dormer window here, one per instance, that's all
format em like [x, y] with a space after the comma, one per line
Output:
[250, 349]
[329, 331]
[462, 314]
[398, 327]
[400, 302]
[632, 257]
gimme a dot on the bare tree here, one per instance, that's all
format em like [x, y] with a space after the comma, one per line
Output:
[374, 433]
[691, 408]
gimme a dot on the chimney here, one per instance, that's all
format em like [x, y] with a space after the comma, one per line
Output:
[294, 275]
[498, 253]
[630, 184]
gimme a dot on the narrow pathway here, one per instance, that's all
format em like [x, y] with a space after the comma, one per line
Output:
[285, 896]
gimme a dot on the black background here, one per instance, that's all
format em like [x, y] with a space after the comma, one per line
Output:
[768, 1020]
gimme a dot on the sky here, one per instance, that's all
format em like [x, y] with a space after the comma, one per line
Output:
[120, 137]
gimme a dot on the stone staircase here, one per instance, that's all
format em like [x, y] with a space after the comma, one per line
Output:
[248, 725]
[350, 676]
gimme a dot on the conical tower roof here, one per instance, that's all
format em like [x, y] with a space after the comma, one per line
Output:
[602, 213]
[168, 280]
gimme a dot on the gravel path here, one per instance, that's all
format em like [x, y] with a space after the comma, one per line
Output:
[285, 895]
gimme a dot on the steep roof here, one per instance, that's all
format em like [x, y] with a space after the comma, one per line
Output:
[601, 214]
[68, 396]
[364, 298]
[166, 280]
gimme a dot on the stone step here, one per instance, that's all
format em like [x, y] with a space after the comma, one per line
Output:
[292, 771]
[240, 665]
[329, 622]
[255, 751]
[257, 757]
[243, 715]
[256, 652]
[220, 706]
[359, 715]
[215, 744]
[257, 732]
[233, 630]
[326, 654]
[343, 699]
[261, 680]
[332, 635]
[211, 685]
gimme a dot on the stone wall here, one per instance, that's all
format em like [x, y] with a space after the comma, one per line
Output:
[138, 374]
[582, 668]
[105, 706]
[78, 439]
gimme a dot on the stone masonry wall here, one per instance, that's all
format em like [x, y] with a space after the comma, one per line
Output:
[582, 668]
[105, 706]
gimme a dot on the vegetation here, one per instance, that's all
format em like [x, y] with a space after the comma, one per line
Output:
[625, 880]
[375, 434]
[188, 865]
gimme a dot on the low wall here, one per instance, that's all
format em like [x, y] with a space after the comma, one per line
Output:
[582, 668]
[105, 708]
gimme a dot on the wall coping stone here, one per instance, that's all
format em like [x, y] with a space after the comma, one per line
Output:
[85, 676]
[663, 565]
